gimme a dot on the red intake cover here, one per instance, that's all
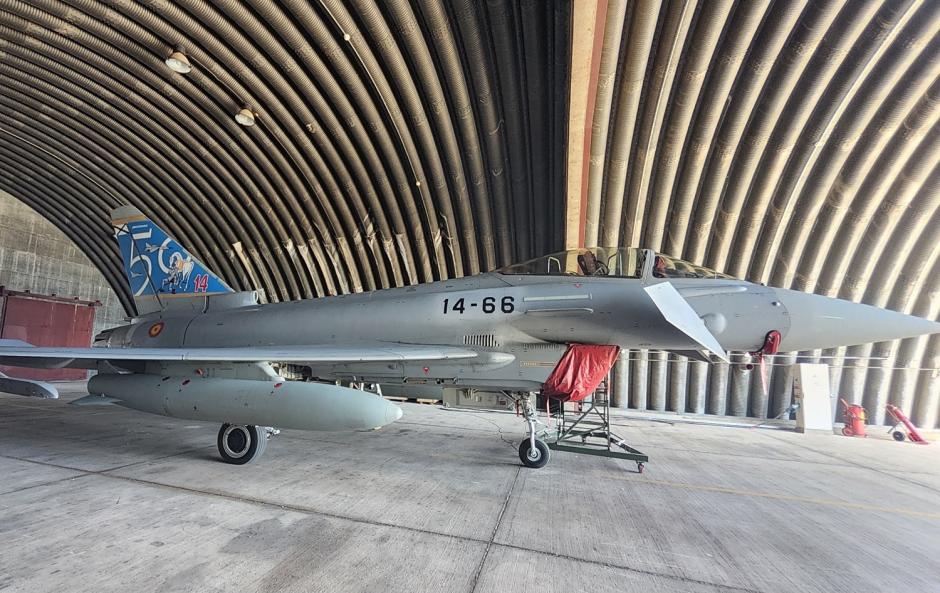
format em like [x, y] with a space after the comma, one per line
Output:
[580, 371]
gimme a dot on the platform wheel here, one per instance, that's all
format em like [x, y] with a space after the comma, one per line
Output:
[240, 444]
[898, 435]
[847, 432]
[640, 466]
[534, 458]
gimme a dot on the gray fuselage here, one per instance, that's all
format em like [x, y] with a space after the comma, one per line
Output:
[531, 317]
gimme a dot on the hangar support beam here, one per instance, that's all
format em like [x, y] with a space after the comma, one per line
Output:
[587, 41]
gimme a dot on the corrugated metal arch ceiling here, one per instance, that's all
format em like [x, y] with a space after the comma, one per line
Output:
[791, 142]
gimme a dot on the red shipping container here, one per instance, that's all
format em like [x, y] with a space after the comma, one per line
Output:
[46, 321]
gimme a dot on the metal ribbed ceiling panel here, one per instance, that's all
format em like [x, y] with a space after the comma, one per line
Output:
[395, 143]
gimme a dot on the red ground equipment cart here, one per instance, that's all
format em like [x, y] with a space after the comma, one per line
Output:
[900, 418]
[855, 417]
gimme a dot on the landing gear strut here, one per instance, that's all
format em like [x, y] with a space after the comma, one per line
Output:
[242, 443]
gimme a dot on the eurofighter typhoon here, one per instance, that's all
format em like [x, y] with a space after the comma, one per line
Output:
[198, 350]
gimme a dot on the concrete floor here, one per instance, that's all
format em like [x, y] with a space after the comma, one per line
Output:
[104, 499]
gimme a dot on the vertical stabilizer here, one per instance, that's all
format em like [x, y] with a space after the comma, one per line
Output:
[157, 267]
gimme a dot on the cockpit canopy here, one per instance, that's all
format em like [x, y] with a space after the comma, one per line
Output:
[616, 262]
[665, 266]
[626, 262]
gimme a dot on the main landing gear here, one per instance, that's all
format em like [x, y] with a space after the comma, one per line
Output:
[240, 444]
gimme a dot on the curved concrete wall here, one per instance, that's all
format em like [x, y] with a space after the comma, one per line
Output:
[36, 256]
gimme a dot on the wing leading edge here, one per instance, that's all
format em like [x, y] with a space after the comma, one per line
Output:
[16, 353]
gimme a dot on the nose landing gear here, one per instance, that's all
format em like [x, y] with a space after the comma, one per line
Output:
[584, 428]
[533, 452]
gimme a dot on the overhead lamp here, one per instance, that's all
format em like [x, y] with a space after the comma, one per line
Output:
[245, 117]
[178, 62]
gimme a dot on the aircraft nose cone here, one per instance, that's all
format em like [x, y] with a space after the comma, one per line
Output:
[817, 321]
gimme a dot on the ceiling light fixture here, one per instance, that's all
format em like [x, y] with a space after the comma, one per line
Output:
[178, 62]
[245, 117]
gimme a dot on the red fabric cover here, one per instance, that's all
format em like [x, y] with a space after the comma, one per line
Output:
[580, 371]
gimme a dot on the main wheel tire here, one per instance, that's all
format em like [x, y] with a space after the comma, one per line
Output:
[241, 443]
[534, 458]
[898, 435]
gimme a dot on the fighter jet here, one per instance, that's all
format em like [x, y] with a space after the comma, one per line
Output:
[552, 325]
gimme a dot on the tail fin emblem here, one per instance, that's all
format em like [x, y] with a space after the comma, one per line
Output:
[156, 265]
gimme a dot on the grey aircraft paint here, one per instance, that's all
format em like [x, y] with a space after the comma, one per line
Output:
[523, 316]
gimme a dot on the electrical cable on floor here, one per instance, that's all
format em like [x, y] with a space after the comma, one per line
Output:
[499, 429]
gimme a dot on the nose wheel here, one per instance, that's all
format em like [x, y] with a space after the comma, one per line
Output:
[241, 443]
[533, 452]
[534, 456]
